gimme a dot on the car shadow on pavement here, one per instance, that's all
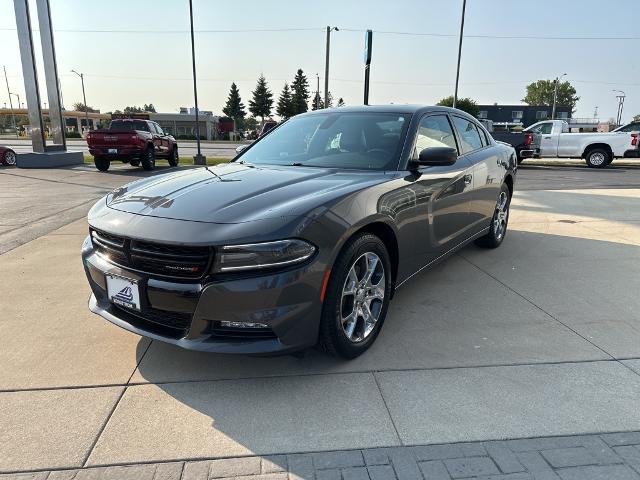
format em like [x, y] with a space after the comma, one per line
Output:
[537, 299]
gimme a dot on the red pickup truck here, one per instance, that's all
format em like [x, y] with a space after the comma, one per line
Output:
[138, 142]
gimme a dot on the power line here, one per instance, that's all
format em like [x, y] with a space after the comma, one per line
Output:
[319, 29]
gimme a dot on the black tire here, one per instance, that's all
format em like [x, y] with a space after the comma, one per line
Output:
[357, 254]
[102, 163]
[148, 159]
[598, 158]
[498, 229]
[174, 158]
[9, 158]
[134, 162]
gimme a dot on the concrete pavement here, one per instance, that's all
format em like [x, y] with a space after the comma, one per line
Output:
[537, 338]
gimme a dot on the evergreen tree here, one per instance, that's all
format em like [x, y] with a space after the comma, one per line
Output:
[317, 103]
[234, 107]
[300, 92]
[285, 107]
[341, 102]
[262, 102]
[329, 101]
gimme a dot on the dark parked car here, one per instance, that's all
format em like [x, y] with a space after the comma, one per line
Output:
[304, 237]
[135, 141]
[7, 156]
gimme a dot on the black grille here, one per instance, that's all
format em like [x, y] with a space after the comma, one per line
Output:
[176, 261]
[170, 324]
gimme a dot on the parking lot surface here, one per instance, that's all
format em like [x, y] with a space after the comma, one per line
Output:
[539, 338]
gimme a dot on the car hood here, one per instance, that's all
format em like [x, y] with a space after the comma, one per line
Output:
[235, 193]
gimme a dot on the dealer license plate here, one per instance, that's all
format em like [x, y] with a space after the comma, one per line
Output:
[123, 292]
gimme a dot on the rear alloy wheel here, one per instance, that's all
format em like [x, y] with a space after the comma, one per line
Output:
[174, 158]
[148, 159]
[499, 222]
[102, 163]
[357, 297]
[598, 158]
[9, 158]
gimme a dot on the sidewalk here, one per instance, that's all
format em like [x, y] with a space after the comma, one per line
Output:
[586, 457]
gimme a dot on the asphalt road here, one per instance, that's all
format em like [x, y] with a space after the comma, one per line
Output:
[187, 148]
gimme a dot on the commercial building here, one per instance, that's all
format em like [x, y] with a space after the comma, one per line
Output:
[184, 124]
[521, 115]
[74, 121]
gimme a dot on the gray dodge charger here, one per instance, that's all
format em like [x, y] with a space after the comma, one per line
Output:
[304, 237]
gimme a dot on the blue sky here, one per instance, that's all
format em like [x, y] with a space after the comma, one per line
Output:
[125, 68]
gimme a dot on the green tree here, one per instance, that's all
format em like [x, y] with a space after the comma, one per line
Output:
[284, 108]
[636, 118]
[541, 93]
[317, 103]
[341, 102]
[149, 108]
[81, 107]
[251, 123]
[234, 107]
[134, 109]
[300, 92]
[465, 104]
[262, 102]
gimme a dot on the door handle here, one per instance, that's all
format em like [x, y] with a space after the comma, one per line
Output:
[467, 179]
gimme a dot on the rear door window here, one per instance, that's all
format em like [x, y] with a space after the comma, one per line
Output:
[469, 135]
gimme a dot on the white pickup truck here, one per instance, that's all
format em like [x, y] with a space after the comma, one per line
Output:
[598, 149]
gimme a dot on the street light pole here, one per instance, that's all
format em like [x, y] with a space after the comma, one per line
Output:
[555, 95]
[455, 95]
[13, 117]
[198, 159]
[84, 99]
[620, 105]
[326, 66]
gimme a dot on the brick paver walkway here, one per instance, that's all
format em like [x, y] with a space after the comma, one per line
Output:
[614, 456]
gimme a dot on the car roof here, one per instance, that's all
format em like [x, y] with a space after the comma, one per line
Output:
[393, 108]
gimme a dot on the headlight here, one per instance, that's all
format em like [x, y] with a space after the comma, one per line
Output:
[255, 256]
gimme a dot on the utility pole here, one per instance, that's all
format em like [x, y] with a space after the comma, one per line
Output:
[13, 117]
[198, 159]
[317, 97]
[326, 66]
[455, 95]
[84, 99]
[368, 46]
[555, 95]
[620, 98]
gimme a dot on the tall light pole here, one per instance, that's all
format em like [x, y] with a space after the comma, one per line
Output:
[620, 98]
[198, 159]
[326, 65]
[84, 99]
[555, 95]
[16, 95]
[13, 117]
[455, 95]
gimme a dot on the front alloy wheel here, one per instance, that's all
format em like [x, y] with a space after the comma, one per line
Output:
[357, 297]
[362, 297]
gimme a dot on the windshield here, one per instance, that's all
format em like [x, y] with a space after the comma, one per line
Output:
[369, 141]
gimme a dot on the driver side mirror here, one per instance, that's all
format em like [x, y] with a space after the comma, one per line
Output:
[437, 156]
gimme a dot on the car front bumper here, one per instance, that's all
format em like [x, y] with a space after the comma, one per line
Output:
[189, 315]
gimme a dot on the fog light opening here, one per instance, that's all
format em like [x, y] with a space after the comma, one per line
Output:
[224, 324]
